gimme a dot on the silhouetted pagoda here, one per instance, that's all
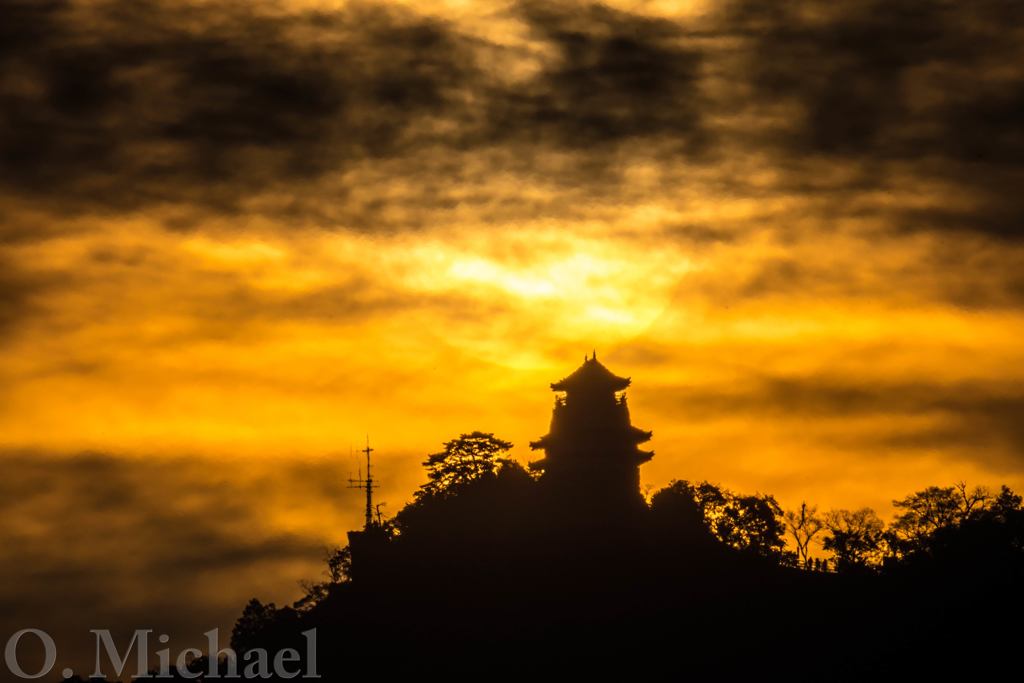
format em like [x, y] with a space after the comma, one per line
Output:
[591, 451]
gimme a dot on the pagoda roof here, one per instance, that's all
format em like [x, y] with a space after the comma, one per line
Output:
[591, 376]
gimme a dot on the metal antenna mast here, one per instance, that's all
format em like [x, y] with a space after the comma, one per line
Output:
[367, 484]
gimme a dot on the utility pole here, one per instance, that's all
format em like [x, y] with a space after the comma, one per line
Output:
[366, 484]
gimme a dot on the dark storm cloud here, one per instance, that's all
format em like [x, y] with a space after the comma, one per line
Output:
[135, 102]
[933, 88]
[125, 104]
[617, 76]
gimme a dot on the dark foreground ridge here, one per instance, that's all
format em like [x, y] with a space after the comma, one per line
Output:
[496, 571]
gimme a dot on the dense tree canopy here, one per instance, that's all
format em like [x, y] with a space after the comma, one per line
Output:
[855, 538]
[749, 523]
[463, 460]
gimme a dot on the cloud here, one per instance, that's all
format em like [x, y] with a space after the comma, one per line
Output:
[978, 420]
[174, 544]
[125, 104]
[23, 294]
[375, 117]
[901, 92]
[261, 228]
[118, 105]
[615, 77]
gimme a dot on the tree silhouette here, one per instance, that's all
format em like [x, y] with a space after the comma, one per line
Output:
[470, 484]
[803, 526]
[338, 571]
[953, 527]
[927, 511]
[463, 460]
[754, 524]
[255, 619]
[1007, 505]
[855, 538]
[748, 523]
[676, 508]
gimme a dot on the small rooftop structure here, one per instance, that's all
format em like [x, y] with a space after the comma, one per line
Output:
[591, 376]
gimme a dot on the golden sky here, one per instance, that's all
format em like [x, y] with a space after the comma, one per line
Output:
[237, 237]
